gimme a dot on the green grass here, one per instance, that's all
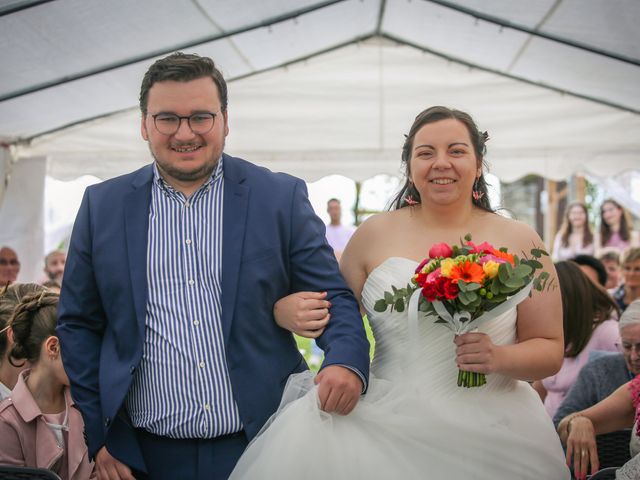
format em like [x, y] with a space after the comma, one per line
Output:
[314, 361]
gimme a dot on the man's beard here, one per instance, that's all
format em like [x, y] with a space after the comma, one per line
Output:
[188, 176]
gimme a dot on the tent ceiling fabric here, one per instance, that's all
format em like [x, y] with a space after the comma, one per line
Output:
[330, 87]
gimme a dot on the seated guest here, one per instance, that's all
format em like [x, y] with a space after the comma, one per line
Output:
[592, 268]
[601, 376]
[610, 258]
[589, 323]
[39, 424]
[9, 265]
[54, 266]
[9, 298]
[630, 288]
[616, 412]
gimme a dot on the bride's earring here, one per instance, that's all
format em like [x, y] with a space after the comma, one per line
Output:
[408, 199]
[477, 195]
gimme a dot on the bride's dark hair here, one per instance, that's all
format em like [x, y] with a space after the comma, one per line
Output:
[409, 194]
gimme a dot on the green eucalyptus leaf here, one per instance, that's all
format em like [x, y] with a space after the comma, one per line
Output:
[380, 306]
[399, 305]
[473, 286]
[388, 297]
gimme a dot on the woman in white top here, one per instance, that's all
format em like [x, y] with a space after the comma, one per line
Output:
[575, 236]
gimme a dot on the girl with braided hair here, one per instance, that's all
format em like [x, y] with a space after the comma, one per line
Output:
[39, 424]
[10, 296]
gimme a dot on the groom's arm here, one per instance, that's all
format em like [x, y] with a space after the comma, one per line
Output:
[313, 267]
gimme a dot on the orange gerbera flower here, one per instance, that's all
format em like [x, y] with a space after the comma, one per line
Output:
[504, 256]
[468, 272]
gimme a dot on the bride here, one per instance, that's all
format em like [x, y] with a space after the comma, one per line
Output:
[414, 422]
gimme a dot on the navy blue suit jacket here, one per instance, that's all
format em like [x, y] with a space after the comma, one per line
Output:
[273, 245]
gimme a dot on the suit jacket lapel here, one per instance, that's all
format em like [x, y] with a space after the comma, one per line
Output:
[236, 200]
[136, 230]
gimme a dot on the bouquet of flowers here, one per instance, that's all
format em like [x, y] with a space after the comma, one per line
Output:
[464, 285]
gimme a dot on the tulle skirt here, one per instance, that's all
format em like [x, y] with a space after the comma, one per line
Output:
[400, 431]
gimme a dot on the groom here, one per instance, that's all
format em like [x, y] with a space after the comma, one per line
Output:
[165, 316]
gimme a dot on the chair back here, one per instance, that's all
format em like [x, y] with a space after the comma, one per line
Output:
[10, 472]
[613, 448]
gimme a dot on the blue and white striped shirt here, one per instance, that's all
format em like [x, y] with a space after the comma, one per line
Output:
[182, 388]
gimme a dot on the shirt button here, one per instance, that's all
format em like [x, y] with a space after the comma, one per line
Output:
[191, 282]
[201, 364]
[196, 323]
[188, 241]
[206, 406]
[187, 205]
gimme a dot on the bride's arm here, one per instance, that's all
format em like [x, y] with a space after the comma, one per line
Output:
[353, 263]
[539, 350]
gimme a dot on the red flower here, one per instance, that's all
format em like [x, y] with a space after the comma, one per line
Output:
[440, 289]
[484, 247]
[422, 264]
[440, 250]
[450, 290]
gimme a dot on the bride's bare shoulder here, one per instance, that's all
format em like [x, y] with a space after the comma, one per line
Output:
[381, 222]
[515, 233]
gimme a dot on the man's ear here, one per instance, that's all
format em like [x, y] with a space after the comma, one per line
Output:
[226, 122]
[143, 127]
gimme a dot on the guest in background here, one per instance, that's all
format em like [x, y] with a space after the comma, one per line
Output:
[617, 411]
[592, 268]
[9, 265]
[338, 235]
[589, 320]
[615, 227]
[610, 258]
[39, 423]
[602, 375]
[630, 288]
[575, 236]
[54, 266]
[10, 297]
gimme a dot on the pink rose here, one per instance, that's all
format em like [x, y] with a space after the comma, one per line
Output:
[433, 276]
[484, 247]
[440, 250]
[490, 258]
[422, 264]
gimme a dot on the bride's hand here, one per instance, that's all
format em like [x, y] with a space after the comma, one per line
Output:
[476, 352]
[303, 313]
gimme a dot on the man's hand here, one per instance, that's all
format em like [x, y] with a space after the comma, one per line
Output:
[339, 389]
[108, 468]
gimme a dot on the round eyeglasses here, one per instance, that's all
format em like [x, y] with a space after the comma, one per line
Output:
[169, 123]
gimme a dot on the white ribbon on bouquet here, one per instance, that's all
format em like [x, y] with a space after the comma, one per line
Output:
[460, 322]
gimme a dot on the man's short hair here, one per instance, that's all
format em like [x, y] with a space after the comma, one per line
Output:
[332, 200]
[182, 67]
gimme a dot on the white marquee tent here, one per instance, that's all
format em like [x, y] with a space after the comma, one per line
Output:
[321, 87]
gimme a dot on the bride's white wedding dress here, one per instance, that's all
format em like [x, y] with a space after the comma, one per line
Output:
[414, 422]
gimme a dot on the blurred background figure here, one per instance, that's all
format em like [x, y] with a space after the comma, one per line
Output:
[10, 297]
[605, 372]
[589, 322]
[610, 258]
[629, 290]
[575, 236]
[54, 266]
[338, 235]
[615, 227]
[592, 268]
[9, 265]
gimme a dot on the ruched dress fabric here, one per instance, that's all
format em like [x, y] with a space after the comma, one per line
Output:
[414, 422]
